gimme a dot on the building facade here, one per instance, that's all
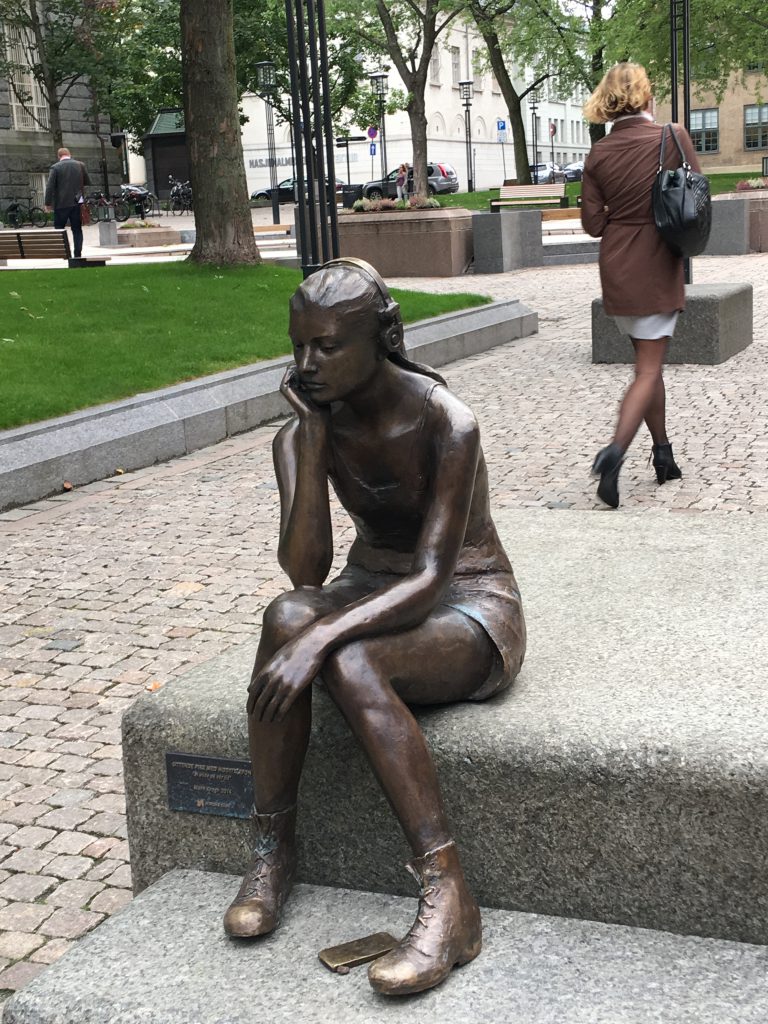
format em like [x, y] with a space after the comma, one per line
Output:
[27, 150]
[456, 57]
[730, 134]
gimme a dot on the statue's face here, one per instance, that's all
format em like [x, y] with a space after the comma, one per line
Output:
[337, 354]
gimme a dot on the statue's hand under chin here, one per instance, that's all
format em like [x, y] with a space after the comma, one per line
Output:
[274, 689]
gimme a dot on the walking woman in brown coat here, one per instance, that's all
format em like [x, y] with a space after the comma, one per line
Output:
[642, 279]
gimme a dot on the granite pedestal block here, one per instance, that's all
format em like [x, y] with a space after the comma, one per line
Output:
[624, 778]
[715, 325]
[165, 960]
[507, 240]
[730, 228]
[424, 243]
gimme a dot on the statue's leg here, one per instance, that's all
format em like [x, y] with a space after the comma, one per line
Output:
[277, 758]
[448, 657]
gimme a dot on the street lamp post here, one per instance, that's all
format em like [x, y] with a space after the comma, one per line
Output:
[533, 103]
[380, 86]
[266, 84]
[466, 91]
[679, 22]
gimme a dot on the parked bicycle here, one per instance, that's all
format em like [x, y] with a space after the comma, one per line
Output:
[180, 199]
[20, 212]
[99, 206]
[144, 202]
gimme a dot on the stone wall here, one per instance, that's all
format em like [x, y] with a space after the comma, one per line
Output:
[26, 153]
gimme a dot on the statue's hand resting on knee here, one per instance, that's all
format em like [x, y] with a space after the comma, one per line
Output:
[274, 689]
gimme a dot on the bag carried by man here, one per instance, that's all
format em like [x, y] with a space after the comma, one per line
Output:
[682, 207]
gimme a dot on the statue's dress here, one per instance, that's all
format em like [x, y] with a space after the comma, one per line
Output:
[388, 510]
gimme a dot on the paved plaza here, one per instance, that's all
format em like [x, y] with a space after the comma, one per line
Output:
[119, 586]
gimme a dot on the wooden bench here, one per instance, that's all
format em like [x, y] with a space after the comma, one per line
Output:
[531, 195]
[41, 244]
[273, 229]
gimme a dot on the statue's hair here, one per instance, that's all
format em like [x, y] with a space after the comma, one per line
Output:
[350, 285]
[625, 89]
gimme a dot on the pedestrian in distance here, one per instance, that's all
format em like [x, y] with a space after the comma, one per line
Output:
[642, 280]
[64, 195]
[401, 181]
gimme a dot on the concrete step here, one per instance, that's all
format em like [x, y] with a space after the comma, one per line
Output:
[165, 960]
[564, 258]
[624, 778]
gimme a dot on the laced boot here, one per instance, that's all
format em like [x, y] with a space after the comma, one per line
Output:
[664, 463]
[267, 882]
[446, 933]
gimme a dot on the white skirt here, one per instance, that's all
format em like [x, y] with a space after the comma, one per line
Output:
[656, 326]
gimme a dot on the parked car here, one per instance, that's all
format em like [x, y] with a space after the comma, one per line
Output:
[286, 191]
[546, 173]
[441, 178]
[574, 171]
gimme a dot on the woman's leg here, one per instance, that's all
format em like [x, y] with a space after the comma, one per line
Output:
[446, 658]
[645, 396]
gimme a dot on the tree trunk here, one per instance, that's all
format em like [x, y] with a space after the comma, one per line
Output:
[46, 79]
[510, 94]
[217, 170]
[418, 118]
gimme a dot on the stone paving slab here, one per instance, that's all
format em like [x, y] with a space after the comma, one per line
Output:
[167, 960]
[153, 571]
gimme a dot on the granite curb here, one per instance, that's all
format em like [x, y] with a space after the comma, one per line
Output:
[165, 960]
[36, 460]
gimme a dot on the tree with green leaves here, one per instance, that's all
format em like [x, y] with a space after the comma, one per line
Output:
[58, 42]
[224, 232]
[406, 31]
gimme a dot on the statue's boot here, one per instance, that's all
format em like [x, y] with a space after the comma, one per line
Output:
[446, 933]
[256, 908]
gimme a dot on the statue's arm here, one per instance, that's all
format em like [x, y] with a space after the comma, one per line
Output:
[305, 551]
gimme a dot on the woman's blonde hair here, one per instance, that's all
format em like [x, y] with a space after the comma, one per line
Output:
[625, 89]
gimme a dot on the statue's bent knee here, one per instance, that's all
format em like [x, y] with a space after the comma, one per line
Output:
[290, 614]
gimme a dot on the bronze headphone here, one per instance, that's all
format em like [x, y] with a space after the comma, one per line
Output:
[392, 330]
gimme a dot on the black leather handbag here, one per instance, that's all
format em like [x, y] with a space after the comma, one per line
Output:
[682, 207]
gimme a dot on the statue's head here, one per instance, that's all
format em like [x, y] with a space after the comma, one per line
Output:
[345, 307]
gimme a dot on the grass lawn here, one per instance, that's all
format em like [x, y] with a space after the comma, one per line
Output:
[69, 340]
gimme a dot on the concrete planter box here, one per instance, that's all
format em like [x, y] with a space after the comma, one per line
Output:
[757, 202]
[415, 243]
[148, 236]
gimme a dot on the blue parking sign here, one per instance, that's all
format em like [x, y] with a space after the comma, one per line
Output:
[373, 149]
[501, 125]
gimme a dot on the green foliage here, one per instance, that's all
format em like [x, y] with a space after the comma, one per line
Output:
[165, 324]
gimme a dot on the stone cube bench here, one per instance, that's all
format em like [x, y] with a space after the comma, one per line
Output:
[715, 325]
[623, 779]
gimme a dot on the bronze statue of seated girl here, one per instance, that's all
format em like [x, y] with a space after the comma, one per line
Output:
[426, 610]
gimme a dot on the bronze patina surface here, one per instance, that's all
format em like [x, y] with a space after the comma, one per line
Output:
[426, 610]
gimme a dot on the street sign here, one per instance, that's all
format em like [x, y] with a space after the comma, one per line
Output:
[372, 132]
[552, 129]
[501, 125]
[373, 149]
[501, 136]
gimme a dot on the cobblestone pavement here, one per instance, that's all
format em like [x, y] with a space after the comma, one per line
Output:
[126, 583]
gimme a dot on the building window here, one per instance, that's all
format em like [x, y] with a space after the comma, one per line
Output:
[756, 127]
[705, 130]
[28, 107]
[455, 65]
[495, 85]
[434, 66]
[37, 185]
[477, 76]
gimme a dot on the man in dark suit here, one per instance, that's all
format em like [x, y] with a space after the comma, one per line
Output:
[63, 194]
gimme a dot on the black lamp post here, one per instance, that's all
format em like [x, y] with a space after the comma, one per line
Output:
[380, 86]
[679, 24]
[466, 92]
[533, 103]
[266, 83]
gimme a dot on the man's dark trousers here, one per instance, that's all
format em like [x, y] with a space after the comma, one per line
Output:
[71, 214]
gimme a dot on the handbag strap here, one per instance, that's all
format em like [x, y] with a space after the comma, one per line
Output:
[683, 160]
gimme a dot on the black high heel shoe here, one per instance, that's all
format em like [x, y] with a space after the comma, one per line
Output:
[607, 464]
[664, 463]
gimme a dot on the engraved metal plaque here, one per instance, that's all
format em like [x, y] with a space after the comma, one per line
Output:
[200, 784]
